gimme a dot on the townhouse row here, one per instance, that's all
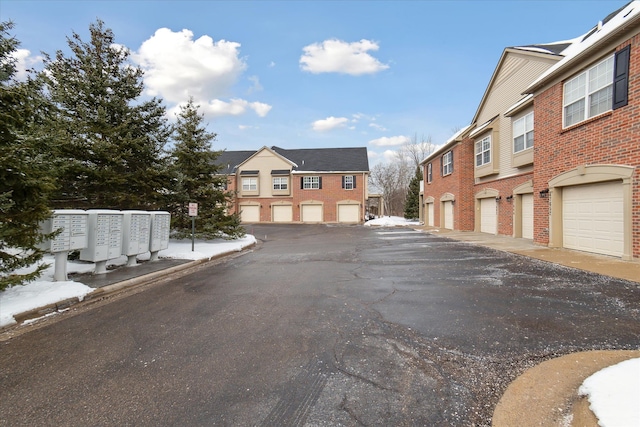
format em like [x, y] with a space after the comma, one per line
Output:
[552, 153]
[274, 184]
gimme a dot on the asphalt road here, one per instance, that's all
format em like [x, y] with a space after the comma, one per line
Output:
[317, 326]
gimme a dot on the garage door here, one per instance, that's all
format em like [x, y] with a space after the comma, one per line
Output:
[311, 213]
[250, 213]
[527, 216]
[488, 219]
[592, 218]
[282, 213]
[430, 221]
[349, 213]
[448, 215]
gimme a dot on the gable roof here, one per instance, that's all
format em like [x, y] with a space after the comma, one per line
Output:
[305, 160]
[610, 27]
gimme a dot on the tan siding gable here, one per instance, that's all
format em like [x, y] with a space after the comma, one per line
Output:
[265, 161]
[516, 72]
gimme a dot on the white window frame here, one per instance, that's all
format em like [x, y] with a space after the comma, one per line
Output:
[483, 151]
[588, 94]
[447, 163]
[280, 183]
[250, 184]
[311, 182]
[348, 182]
[523, 128]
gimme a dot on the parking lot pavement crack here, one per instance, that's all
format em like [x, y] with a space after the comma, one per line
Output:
[344, 405]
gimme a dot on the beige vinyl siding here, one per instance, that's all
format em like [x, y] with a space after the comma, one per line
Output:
[516, 73]
[265, 161]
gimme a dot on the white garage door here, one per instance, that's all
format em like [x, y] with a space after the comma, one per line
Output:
[349, 213]
[250, 213]
[592, 218]
[282, 213]
[430, 221]
[448, 215]
[488, 218]
[527, 216]
[311, 213]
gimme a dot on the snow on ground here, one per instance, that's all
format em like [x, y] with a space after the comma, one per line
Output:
[390, 221]
[43, 291]
[614, 394]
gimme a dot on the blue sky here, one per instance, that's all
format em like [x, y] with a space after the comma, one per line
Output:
[313, 74]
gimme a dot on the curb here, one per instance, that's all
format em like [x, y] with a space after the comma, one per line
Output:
[100, 293]
[548, 392]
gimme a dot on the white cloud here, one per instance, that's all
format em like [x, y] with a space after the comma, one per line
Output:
[24, 62]
[329, 123]
[372, 154]
[272, 64]
[390, 155]
[377, 127]
[177, 67]
[256, 87]
[337, 56]
[389, 141]
[236, 107]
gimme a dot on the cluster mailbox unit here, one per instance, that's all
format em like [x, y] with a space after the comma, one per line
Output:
[73, 236]
[105, 238]
[136, 234]
[160, 228]
[102, 234]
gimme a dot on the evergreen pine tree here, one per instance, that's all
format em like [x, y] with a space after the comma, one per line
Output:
[412, 202]
[196, 179]
[111, 144]
[25, 175]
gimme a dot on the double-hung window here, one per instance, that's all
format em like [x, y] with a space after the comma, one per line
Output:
[447, 163]
[589, 93]
[249, 184]
[483, 151]
[348, 182]
[280, 183]
[311, 182]
[523, 133]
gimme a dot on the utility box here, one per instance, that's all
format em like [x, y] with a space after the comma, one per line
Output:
[160, 228]
[73, 236]
[105, 238]
[136, 231]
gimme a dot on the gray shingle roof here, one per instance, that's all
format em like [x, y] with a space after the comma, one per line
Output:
[308, 160]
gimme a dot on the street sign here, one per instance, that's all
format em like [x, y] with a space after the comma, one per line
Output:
[193, 209]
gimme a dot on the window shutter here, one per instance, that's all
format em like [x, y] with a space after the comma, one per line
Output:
[354, 182]
[342, 181]
[451, 161]
[319, 183]
[302, 182]
[621, 78]
[442, 165]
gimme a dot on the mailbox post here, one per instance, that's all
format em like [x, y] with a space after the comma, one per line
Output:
[73, 236]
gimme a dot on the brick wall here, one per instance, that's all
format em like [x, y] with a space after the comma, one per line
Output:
[505, 207]
[330, 194]
[611, 138]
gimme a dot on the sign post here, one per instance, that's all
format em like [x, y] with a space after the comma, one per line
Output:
[193, 213]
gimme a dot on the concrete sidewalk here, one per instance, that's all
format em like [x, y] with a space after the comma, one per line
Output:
[601, 264]
[547, 394]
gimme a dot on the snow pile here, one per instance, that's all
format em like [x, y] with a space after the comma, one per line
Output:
[614, 394]
[44, 291]
[391, 221]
